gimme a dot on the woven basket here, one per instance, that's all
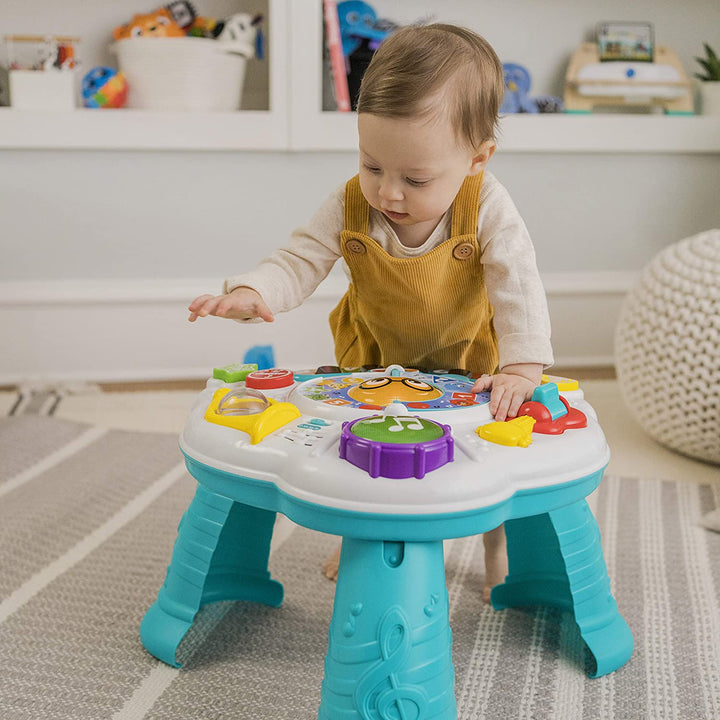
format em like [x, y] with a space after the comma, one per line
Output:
[667, 347]
[183, 73]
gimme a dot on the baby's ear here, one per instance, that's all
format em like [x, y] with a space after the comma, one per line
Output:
[482, 156]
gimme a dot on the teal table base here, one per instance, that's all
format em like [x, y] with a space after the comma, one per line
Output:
[389, 647]
[556, 559]
[221, 553]
[389, 650]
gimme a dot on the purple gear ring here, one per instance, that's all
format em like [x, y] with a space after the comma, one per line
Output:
[396, 460]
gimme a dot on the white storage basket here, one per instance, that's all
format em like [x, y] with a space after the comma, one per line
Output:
[183, 73]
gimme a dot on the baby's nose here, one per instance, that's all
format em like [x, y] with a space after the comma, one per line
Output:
[390, 190]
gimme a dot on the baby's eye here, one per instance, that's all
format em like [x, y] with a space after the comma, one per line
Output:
[372, 169]
[416, 183]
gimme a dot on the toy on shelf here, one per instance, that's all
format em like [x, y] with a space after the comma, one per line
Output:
[358, 23]
[183, 13]
[157, 24]
[394, 460]
[176, 61]
[41, 52]
[41, 71]
[104, 87]
[179, 19]
[361, 32]
[244, 29]
[517, 93]
[593, 83]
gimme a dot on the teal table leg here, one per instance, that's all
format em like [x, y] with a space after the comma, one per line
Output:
[221, 553]
[556, 559]
[389, 649]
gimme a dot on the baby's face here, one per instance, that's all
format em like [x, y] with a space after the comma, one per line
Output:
[412, 168]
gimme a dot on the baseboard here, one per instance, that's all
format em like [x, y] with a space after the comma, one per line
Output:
[137, 330]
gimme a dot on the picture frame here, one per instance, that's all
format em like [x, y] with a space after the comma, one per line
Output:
[625, 41]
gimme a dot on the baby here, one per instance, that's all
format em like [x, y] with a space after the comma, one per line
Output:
[441, 267]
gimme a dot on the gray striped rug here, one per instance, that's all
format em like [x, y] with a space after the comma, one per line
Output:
[87, 522]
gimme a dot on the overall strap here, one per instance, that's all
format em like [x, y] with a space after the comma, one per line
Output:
[465, 206]
[357, 209]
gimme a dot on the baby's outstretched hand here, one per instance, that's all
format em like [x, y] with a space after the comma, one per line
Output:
[242, 303]
[509, 389]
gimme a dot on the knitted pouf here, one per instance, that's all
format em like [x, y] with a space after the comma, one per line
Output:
[667, 347]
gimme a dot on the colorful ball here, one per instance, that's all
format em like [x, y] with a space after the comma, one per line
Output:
[104, 87]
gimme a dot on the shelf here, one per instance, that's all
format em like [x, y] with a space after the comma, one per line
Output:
[555, 133]
[658, 134]
[258, 131]
[141, 130]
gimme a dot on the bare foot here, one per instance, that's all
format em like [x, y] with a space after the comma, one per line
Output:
[331, 565]
[496, 564]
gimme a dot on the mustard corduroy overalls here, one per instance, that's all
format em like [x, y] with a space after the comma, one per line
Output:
[430, 311]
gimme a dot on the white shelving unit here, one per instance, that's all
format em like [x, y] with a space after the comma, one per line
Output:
[126, 129]
[313, 129]
[296, 121]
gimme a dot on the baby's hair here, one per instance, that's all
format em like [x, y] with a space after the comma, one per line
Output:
[453, 63]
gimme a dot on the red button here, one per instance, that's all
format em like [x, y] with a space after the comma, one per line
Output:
[269, 379]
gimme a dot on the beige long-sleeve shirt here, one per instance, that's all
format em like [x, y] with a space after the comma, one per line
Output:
[522, 323]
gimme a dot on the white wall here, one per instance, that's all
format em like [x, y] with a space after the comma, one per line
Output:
[180, 221]
[75, 215]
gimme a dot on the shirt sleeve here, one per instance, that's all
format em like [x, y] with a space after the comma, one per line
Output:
[291, 274]
[515, 290]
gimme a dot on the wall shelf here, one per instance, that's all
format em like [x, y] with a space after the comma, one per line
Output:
[258, 131]
[610, 134]
[141, 130]
[554, 133]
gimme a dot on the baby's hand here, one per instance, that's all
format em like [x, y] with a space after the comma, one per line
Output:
[510, 388]
[242, 303]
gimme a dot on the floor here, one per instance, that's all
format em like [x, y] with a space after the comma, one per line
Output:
[156, 408]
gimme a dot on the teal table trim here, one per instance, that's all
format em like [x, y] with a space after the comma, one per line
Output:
[379, 526]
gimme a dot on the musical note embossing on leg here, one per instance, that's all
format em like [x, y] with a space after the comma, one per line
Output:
[379, 694]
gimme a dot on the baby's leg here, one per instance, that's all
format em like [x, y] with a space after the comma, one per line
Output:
[496, 562]
[331, 565]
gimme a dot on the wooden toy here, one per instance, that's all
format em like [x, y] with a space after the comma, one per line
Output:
[591, 84]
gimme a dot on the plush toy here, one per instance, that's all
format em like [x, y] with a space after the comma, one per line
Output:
[203, 27]
[104, 87]
[155, 24]
[517, 89]
[361, 33]
[358, 22]
[241, 28]
[517, 93]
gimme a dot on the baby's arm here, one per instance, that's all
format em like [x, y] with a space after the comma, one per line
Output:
[243, 303]
[284, 279]
[521, 319]
[510, 388]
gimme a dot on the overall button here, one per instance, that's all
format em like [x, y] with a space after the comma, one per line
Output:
[463, 251]
[357, 247]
